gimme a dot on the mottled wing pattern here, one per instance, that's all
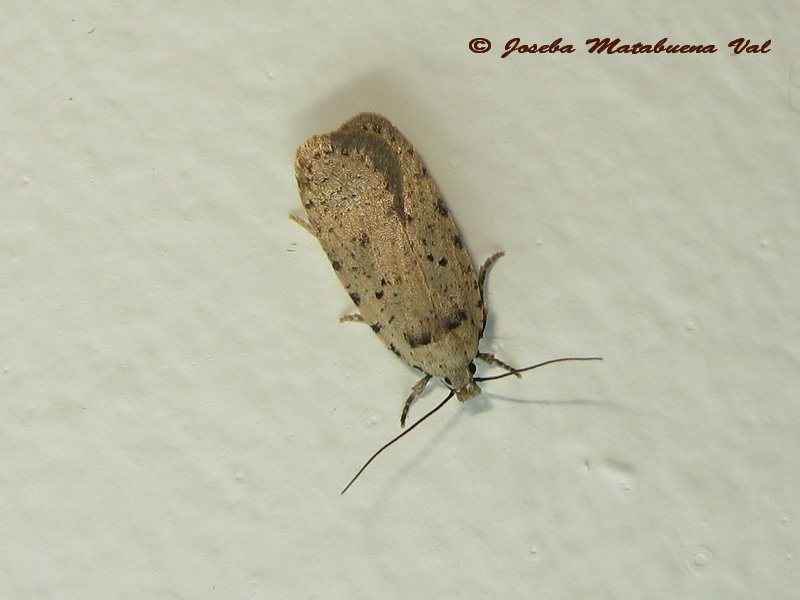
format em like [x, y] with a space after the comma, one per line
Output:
[432, 236]
[388, 235]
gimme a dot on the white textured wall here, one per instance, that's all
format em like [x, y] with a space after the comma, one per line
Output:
[180, 408]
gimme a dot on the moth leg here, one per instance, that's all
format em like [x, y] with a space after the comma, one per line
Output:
[487, 357]
[484, 269]
[415, 391]
[491, 359]
[356, 318]
[304, 224]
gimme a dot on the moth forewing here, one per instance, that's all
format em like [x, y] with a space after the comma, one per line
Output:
[394, 246]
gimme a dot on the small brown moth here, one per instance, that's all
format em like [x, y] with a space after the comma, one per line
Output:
[397, 251]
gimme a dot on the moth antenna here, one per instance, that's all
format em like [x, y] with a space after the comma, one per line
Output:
[393, 440]
[547, 362]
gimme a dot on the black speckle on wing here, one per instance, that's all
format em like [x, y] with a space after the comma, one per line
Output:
[417, 339]
[455, 319]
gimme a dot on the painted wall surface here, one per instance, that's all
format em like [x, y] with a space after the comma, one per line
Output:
[180, 406]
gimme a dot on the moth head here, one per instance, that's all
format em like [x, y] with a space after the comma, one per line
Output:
[463, 383]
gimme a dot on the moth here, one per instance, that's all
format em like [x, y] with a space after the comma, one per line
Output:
[397, 251]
